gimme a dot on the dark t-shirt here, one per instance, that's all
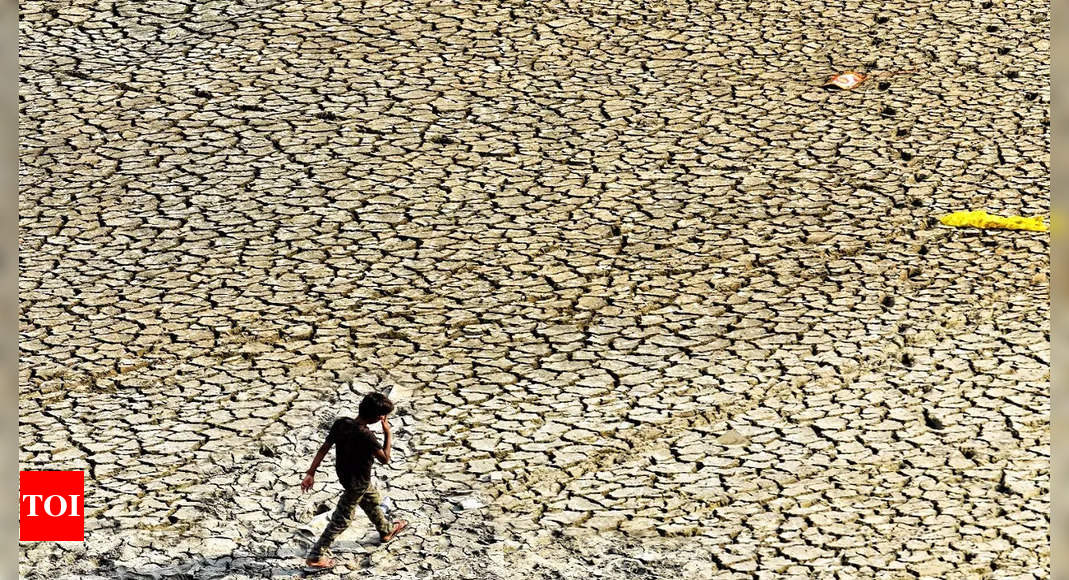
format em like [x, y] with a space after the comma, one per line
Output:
[354, 452]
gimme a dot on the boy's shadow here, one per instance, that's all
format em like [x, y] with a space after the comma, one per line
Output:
[202, 568]
[351, 554]
[273, 567]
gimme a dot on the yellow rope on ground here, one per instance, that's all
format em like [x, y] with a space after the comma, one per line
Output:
[982, 219]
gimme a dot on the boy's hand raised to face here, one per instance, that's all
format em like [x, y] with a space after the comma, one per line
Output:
[385, 424]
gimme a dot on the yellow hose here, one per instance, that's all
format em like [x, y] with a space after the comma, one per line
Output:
[982, 219]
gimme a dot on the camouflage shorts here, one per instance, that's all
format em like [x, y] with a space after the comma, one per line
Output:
[368, 499]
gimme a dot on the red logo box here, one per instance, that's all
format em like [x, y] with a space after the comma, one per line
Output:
[51, 506]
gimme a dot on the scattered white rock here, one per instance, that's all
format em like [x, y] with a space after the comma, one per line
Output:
[469, 503]
[732, 437]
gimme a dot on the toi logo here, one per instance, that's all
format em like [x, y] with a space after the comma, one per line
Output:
[51, 506]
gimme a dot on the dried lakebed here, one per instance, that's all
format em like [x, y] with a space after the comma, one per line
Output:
[651, 301]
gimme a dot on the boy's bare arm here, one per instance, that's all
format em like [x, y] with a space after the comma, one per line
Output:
[309, 476]
[383, 455]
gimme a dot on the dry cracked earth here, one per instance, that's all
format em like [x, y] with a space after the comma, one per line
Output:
[651, 301]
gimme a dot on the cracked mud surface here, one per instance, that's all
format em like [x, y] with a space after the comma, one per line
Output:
[652, 303]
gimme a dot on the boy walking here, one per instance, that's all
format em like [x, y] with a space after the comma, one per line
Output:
[357, 449]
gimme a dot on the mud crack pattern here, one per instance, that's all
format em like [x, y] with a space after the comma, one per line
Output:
[651, 301]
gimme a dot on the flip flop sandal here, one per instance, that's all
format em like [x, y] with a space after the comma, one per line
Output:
[326, 565]
[399, 526]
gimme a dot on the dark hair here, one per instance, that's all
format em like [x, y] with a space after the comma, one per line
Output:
[375, 405]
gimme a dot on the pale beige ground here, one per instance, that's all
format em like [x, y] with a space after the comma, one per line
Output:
[652, 303]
